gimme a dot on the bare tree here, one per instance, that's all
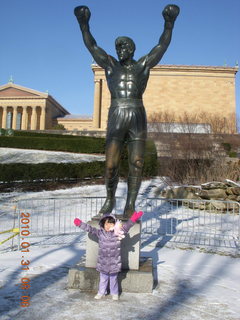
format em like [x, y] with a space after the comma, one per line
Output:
[186, 122]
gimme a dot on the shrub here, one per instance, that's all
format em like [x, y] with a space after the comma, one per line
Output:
[194, 159]
[232, 154]
[50, 171]
[58, 127]
[6, 132]
[61, 143]
[227, 146]
[2, 132]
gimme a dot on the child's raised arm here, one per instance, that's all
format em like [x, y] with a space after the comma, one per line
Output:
[86, 227]
[134, 218]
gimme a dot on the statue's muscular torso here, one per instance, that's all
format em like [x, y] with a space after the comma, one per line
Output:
[127, 81]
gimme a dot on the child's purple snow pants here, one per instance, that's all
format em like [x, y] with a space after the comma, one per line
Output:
[113, 283]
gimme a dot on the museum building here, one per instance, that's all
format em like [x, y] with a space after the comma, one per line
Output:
[171, 88]
[27, 109]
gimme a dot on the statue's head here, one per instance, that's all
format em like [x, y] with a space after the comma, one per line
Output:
[125, 48]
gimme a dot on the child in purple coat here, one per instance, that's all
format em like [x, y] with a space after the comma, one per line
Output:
[109, 255]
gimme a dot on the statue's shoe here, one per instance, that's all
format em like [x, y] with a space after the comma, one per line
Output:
[128, 211]
[108, 206]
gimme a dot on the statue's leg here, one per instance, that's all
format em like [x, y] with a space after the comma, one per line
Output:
[136, 151]
[113, 154]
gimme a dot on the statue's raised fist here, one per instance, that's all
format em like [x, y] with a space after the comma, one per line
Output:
[170, 12]
[82, 13]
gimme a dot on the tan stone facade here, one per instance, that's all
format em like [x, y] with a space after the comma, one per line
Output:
[176, 89]
[75, 123]
[26, 109]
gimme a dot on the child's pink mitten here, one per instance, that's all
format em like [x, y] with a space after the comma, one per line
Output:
[136, 216]
[77, 222]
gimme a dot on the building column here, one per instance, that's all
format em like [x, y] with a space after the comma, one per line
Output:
[24, 118]
[97, 103]
[4, 118]
[43, 118]
[14, 120]
[34, 118]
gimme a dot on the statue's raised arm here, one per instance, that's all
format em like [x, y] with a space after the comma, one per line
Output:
[83, 15]
[170, 14]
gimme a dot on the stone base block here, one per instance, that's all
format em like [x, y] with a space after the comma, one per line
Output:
[139, 281]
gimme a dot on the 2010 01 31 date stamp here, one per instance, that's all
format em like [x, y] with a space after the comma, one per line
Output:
[25, 284]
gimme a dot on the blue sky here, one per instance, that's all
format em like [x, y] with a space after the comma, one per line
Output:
[42, 48]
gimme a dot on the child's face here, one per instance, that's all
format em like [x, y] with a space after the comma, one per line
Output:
[108, 226]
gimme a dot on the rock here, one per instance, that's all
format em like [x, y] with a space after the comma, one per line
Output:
[196, 205]
[236, 191]
[233, 193]
[204, 194]
[232, 197]
[213, 194]
[229, 191]
[213, 185]
[181, 193]
[233, 190]
[231, 206]
[166, 193]
[217, 205]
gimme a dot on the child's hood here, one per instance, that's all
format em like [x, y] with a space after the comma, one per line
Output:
[106, 216]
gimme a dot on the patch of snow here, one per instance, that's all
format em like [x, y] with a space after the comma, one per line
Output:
[12, 155]
[233, 182]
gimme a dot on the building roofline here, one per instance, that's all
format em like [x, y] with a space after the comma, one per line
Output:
[227, 69]
[73, 117]
[39, 95]
[22, 88]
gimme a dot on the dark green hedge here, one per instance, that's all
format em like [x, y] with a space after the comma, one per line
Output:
[22, 133]
[50, 171]
[62, 143]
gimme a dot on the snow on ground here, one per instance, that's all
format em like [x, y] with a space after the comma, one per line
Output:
[11, 155]
[191, 284]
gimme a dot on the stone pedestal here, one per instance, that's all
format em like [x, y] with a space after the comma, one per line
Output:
[139, 281]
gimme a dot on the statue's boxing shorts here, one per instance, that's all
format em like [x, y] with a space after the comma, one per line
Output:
[127, 120]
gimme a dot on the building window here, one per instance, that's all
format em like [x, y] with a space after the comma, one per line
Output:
[19, 120]
[9, 120]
